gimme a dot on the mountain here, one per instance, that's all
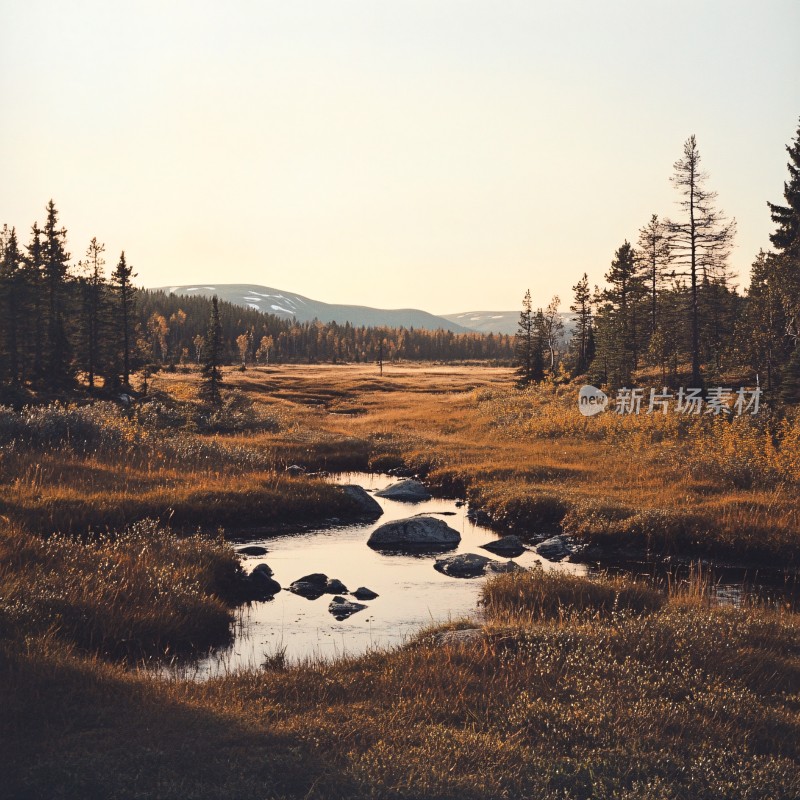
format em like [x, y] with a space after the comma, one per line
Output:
[486, 321]
[289, 304]
[501, 321]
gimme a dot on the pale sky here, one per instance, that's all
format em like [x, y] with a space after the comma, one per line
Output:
[441, 154]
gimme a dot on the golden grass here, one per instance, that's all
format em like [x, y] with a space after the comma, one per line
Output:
[675, 699]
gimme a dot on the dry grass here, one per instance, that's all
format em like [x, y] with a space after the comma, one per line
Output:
[142, 592]
[671, 700]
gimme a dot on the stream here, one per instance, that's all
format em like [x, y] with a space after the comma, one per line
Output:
[411, 593]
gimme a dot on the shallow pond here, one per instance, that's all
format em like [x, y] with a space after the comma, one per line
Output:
[412, 594]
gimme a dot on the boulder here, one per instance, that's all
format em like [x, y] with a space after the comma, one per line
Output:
[504, 566]
[556, 548]
[415, 534]
[260, 583]
[310, 586]
[362, 593]
[464, 565]
[335, 586]
[342, 609]
[409, 491]
[252, 550]
[295, 469]
[508, 546]
[367, 506]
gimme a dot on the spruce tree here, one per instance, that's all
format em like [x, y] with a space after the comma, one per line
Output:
[786, 263]
[212, 358]
[93, 311]
[654, 254]
[12, 293]
[528, 345]
[57, 352]
[121, 280]
[580, 343]
[34, 285]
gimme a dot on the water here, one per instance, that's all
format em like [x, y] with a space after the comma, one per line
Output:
[412, 594]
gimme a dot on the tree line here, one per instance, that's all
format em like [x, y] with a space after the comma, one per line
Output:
[68, 324]
[669, 303]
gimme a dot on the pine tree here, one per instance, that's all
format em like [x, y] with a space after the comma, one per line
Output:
[57, 352]
[121, 280]
[12, 275]
[654, 254]
[93, 312]
[700, 242]
[528, 345]
[582, 308]
[34, 284]
[786, 240]
[212, 358]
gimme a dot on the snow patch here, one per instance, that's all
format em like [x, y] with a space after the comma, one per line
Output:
[211, 288]
[280, 308]
[174, 289]
[256, 307]
[252, 299]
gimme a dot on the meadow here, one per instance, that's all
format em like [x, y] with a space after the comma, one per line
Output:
[611, 687]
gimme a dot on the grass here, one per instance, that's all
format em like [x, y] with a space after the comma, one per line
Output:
[578, 688]
[142, 592]
[670, 699]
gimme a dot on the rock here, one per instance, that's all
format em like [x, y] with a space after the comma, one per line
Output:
[260, 583]
[409, 491]
[252, 550]
[457, 638]
[478, 517]
[415, 534]
[362, 593]
[342, 609]
[508, 546]
[367, 506]
[335, 586]
[310, 586]
[460, 503]
[504, 566]
[464, 565]
[295, 469]
[556, 548]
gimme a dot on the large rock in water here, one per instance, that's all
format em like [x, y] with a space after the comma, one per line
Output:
[310, 586]
[409, 491]
[368, 506]
[261, 584]
[342, 609]
[499, 567]
[362, 593]
[509, 546]
[556, 548]
[415, 534]
[464, 565]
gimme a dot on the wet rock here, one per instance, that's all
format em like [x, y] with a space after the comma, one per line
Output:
[260, 585]
[367, 506]
[504, 566]
[464, 565]
[252, 550]
[557, 548]
[295, 469]
[335, 586]
[508, 546]
[409, 491]
[342, 609]
[415, 534]
[310, 586]
[362, 593]
[460, 503]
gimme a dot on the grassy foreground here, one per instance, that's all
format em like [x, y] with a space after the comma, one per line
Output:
[571, 689]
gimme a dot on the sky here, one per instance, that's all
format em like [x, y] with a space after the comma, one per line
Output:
[438, 154]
